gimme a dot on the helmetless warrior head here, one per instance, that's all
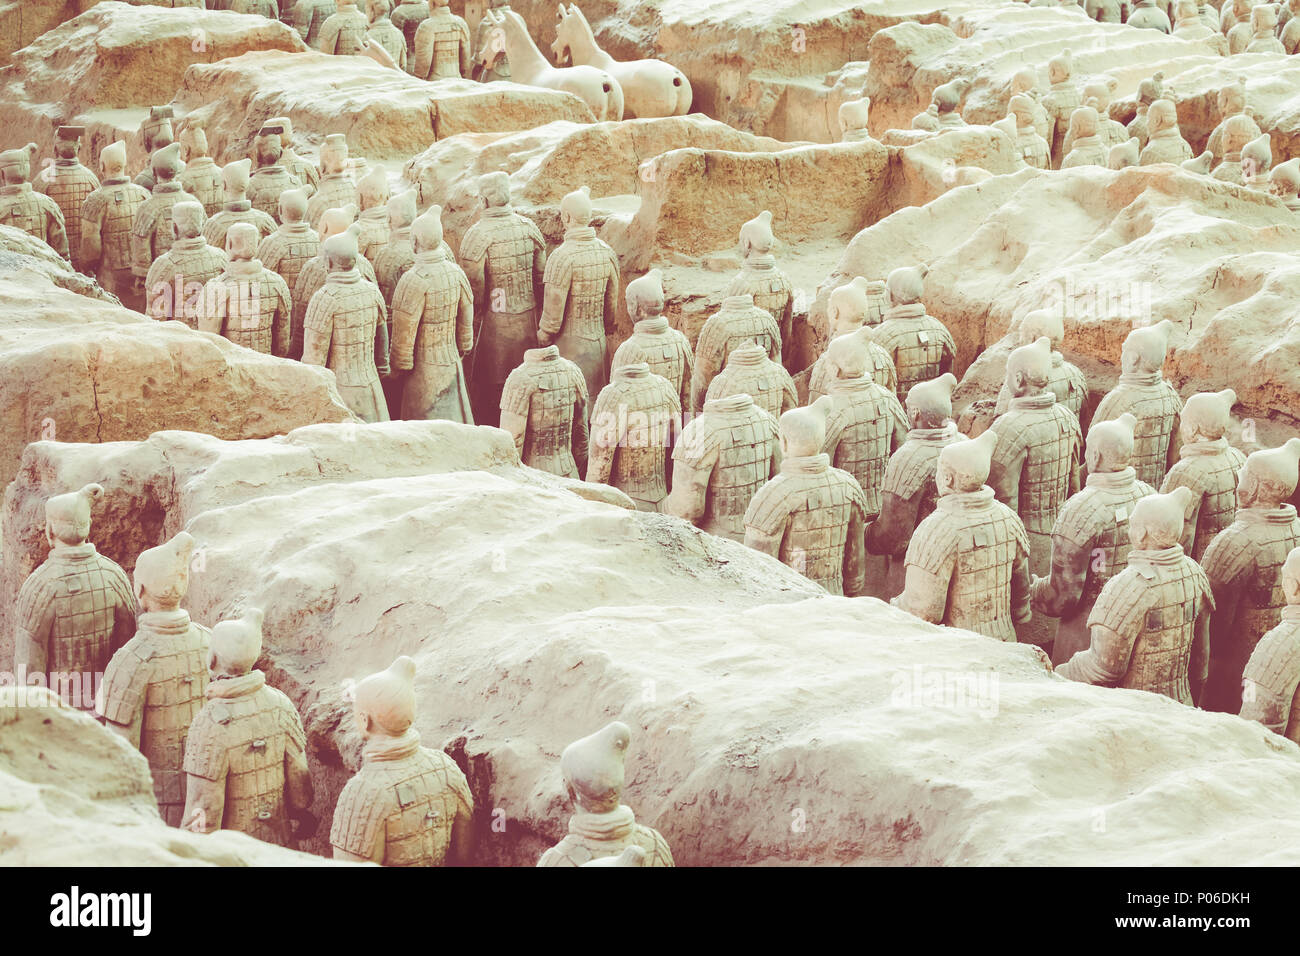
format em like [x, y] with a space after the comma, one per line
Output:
[1157, 520]
[401, 210]
[236, 645]
[1145, 348]
[645, 295]
[849, 354]
[166, 163]
[1029, 368]
[1206, 416]
[593, 768]
[385, 702]
[847, 306]
[267, 148]
[333, 221]
[855, 114]
[334, 154]
[964, 465]
[156, 130]
[241, 241]
[1269, 477]
[187, 219]
[756, 236]
[162, 574]
[67, 516]
[1042, 322]
[68, 143]
[929, 404]
[803, 430]
[575, 208]
[1060, 67]
[16, 164]
[906, 285]
[293, 205]
[373, 189]
[495, 189]
[1110, 444]
[1163, 115]
[341, 250]
[1232, 98]
[1123, 155]
[235, 176]
[426, 232]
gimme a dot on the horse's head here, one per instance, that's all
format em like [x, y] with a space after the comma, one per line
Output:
[570, 28]
[494, 40]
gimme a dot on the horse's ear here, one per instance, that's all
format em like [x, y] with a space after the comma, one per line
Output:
[561, 13]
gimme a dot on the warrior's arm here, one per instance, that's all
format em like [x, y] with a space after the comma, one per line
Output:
[580, 433]
[690, 487]
[1198, 666]
[466, 51]
[766, 543]
[423, 51]
[1171, 483]
[205, 803]
[554, 301]
[298, 790]
[1105, 662]
[925, 593]
[1058, 594]
[604, 440]
[1020, 611]
[855, 564]
[465, 322]
[381, 338]
[1004, 476]
[31, 648]
[892, 529]
[517, 426]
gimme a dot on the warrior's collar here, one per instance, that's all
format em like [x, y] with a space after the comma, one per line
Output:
[846, 386]
[391, 748]
[1160, 557]
[747, 356]
[375, 214]
[224, 688]
[73, 552]
[655, 325]
[165, 622]
[613, 825]
[1113, 480]
[1259, 514]
[400, 234]
[345, 276]
[729, 405]
[967, 500]
[580, 234]
[759, 262]
[806, 464]
[548, 354]
[237, 205]
[15, 189]
[244, 267]
[189, 243]
[937, 436]
[430, 256]
[1086, 141]
[910, 311]
[1034, 402]
[738, 303]
[298, 228]
[1141, 378]
[115, 181]
[498, 212]
[1216, 446]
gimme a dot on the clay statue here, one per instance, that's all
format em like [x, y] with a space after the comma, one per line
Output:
[1142, 390]
[1231, 101]
[1148, 627]
[1200, 164]
[1124, 155]
[1109, 131]
[724, 455]
[866, 423]
[1090, 541]
[1061, 100]
[308, 18]
[1256, 161]
[68, 183]
[750, 371]
[1207, 465]
[106, 217]
[1165, 143]
[491, 62]
[76, 609]
[651, 88]
[237, 207]
[1244, 563]
[1272, 674]
[581, 302]
[346, 329]
[601, 826]
[1087, 148]
[907, 490]
[1026, 83]
[1105, 11]
[1065, 381]
[264, 8]
[152, 232]
[1149, 91]
[396, 255]
[442, 46]
[633, 424]
[433, 327]
[544, 407]
[666, 350]
[293, 243]
[343, 32]
[854, 117]
[1237, 133]
[811, 516]
[852, 307]
[1146, 15]
[1241, 33]
[919, 344]
[1263, 26]
[306, 173]
[407, 16]
[947, 101]
[760, 277]
[1232, 12]
[248, 303]
[176, 279]
[1284, 183]
[381, 32]
[246, 754]
[739, 322]
[335, 188]
[927, 121]
[1030, 146]
[201, 176]
[270, 177]
[967, 565]
[23, 207]
[1035, 466]
[372, 193]
[155, 134]
[407, 805]
[156, 681]
[1189, 25]
[504, 257]
[314, 272]
[1290, 24]
[508, 36]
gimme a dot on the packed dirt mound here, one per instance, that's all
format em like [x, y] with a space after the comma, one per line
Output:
[21, 252]
[771, 723]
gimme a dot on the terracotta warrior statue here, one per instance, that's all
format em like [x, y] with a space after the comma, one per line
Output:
[151, 229]
[544, 407]
[1231, 101]
[201, 177]
[907, 490]
[336, 188]
[1263, 30]
[967, 565]
[852, 307]
[176, 279]
[1272, 674]
[1188, 25]
[1030, 146]
[68, 183]
[373, 193]
[76, 609]
[293, 243]
[155, 133]
[1149, 91]
[854, 117]
[1284, 181]
[306, 173]
[246, 754]
[314, 272]
[1090, 541]
[739, 322]
[1125, 154]
[919, 344]
[1061, 100]
[666, 350]
[1146, 15]
[581, 300]
[866, 424]
[1111, 132]
[23, 207]
[346, 329]
[248, 303]
[1256, 161]
[724, 455]
[633, 424]
[504, 256]
[759, 277]
[1148, 626]
[749, 370]
[383, 33]
[433, 328]
[343, 32]
[1165, 144]
[397, 255]
[602, 826]
[270, 176]
[1244, 563]
[1025, 82]
[811, 516]
[1086, 148]
[308, 18]
[1065, 381]
[106, 217]
[442, 46]
[1237, 133]
[407, 16]
[1143, 391]
[156, 682]
[407, 805]
[237, 208]
[1207, 465]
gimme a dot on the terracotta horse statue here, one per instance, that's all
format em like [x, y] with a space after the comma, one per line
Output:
[651, 87]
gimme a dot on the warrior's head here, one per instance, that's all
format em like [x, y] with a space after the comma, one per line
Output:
[803, 430]
[1029, 368]
[1269, 477]
[593, 768]
[1157, 520]
[162, 574]
[384, 705]
[1110, 445]
[235, 645]
[929, 404]
[645, 296]
[1206, 416]
[67, 516]
[964, 465]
